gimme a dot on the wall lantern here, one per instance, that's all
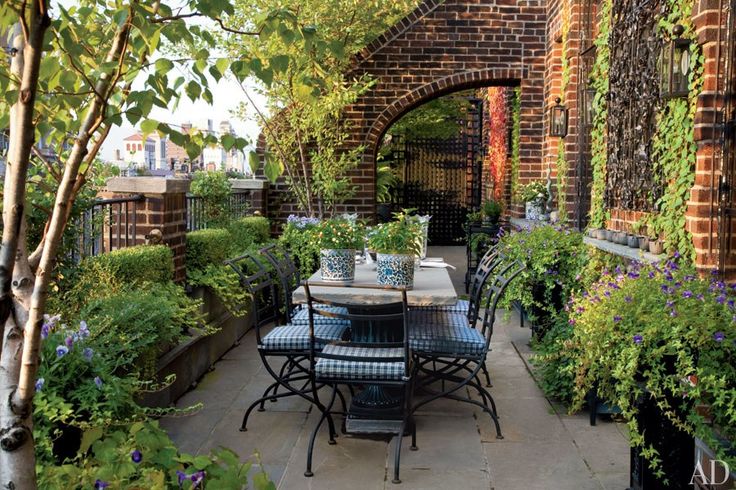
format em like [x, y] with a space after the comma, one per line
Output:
[558, 120]
[675, 66]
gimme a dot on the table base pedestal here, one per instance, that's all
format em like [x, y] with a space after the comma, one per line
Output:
[377, 402]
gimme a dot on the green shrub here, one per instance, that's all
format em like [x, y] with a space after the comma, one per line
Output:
[248, 231]
[207, 247]
[302, 242]
[111, 273]
[135, 326]
[214, 190]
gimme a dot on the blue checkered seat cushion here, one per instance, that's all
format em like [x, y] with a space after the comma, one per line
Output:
[301, 316]
[296, 337]
[462, 306]
[437, 317]
[360, 370]
[452, 340]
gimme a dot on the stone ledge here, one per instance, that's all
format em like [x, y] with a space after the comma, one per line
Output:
[622, 250]
[148, 185]
[249, 184]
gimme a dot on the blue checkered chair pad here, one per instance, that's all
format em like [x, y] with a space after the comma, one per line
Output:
[451, 340]
[301, 316]
[296, 337]
[360, 370]
[462, 306]
[437, 317]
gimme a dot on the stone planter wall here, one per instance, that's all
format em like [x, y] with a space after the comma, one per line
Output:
[191, 359]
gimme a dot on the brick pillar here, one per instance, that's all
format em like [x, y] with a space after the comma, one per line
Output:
[702, 212]
[163, 208]
[258, 190]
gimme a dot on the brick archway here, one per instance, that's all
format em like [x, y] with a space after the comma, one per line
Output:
[444, 47]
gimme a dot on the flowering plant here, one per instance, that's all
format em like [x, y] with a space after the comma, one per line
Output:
[340, 233]
[554, 258]
[299, 237]
[143, 456]
[405, 235]
[301, 222]
[661, 332]
[534, 192]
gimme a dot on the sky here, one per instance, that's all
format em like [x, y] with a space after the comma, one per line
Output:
[227, 95]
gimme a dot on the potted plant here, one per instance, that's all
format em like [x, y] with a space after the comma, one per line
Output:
[656, 245]
[639, 227]
[338, 239]
[658, 337]
[534, 196]
[491, 210]
[397, 244]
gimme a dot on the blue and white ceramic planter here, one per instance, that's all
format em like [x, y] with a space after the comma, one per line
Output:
[337, 265]
[395, 270]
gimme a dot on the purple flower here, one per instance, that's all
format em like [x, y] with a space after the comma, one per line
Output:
[676, 255]
[687, 294]
[633, 275]
[700, 297]
[673, 313]
[83, 329]
[98, 382]
[651, 274]
[721, 299]
[69, 342]
[136, 456]
[628, 299]
[61, 351]
[571, 321]
[88, 353]
[665, 289]
[181, 476]
[638, 339]
[39, 384]
[719, 336]
[197, 478]
[99, 484]
[579, 309]
[616, 319]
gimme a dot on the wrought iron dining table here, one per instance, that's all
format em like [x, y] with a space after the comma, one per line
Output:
[432, 287]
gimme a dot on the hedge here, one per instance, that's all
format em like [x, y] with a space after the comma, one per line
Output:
[133, 265]
[206, 247]
[248, 231]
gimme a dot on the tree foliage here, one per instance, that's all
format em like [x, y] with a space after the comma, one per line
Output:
[309, 89]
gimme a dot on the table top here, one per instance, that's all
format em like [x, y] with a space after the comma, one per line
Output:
[432, 286]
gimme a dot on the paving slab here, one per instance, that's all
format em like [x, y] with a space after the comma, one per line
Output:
[544, 448]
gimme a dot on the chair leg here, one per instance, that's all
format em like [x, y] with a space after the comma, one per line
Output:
[397, 453]
[325, 415]
[243, 426]
[488, 376]
[413, 446]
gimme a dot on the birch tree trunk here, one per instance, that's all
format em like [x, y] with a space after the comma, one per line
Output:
[17, 461]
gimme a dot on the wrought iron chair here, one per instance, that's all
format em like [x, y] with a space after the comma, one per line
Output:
[382, 362]
[465, 312]
[460, 352]
[285, 349]
[289, 279]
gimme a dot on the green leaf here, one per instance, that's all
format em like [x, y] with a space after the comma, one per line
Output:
[279, 63]
[254, 161]
[273, 168]
[89, 437]
[163, 66]
[193, 90]
[149, 126]
[228, 141]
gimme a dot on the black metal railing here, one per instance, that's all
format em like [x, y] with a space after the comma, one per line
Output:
[109, 224]
[238, 205]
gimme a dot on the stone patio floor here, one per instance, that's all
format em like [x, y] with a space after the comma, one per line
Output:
[544, 448]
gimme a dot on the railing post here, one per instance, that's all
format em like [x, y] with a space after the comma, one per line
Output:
[163, 207]
[258, 190]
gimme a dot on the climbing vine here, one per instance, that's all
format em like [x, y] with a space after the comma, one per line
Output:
[561, 161]
[599, 82]
[515, 139]
[497, 144]
[674, 147]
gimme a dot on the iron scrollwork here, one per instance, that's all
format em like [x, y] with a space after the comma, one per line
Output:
[633, 102]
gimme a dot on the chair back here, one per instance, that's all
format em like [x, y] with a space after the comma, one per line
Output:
[371, 319]
[490, 262]
[257, 280]
[494, 290]
[287, 274]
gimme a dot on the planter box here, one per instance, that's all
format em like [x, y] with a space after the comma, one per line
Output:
[713, 470]
[192, 358]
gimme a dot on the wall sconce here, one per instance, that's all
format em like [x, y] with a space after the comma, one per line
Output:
[674, 66]
[558, 119]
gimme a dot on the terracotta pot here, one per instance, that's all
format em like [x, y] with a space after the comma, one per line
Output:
[600, 234]
[644, 243]
[656, 247]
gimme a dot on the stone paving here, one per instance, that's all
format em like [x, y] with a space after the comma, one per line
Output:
[543, 448]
